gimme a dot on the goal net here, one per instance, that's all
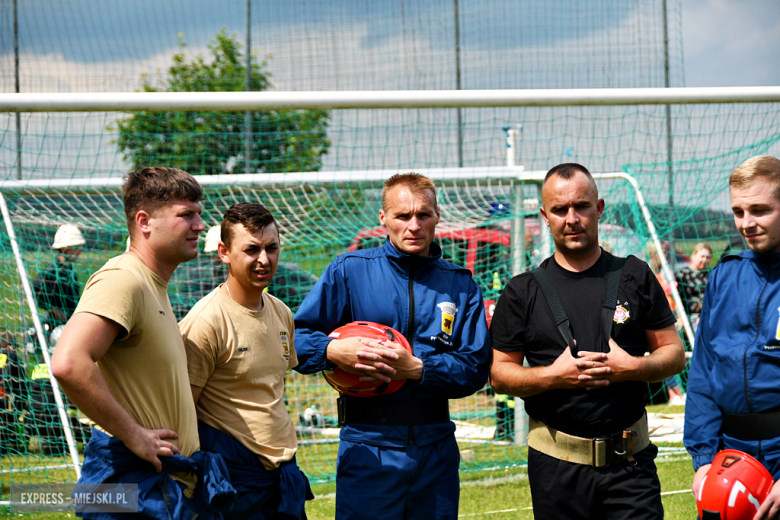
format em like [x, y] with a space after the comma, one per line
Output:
[490, 224]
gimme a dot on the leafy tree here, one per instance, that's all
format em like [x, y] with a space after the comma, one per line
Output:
[213, 142]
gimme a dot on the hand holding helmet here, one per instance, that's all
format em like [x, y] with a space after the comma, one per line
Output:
[734, 487]
[357, 373]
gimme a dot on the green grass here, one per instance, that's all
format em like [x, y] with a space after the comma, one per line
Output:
[503, 494]
[500, 495]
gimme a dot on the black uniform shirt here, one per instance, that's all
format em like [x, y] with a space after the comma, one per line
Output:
[523, 323]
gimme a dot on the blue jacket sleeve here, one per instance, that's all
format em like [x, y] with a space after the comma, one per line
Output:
[464, 371]
[320, 313]
[703, 418]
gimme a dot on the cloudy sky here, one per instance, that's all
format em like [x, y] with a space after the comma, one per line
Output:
[731, 42]
[725, 42]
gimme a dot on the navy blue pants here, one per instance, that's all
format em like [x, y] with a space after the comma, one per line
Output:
[414, 482]
[261, 494]
[561, 489]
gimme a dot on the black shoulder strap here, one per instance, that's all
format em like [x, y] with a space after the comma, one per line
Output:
[555, 305]
[615, 272]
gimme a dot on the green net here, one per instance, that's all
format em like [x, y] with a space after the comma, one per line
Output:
[680, 156]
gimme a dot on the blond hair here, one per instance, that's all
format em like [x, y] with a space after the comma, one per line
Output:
[416, 182]
[701, 245]
[759, 167]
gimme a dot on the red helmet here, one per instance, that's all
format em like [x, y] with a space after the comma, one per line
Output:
[734, 487]
[349, 383]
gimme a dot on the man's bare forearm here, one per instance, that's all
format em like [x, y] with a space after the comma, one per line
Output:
[663, 362]
[515, 379]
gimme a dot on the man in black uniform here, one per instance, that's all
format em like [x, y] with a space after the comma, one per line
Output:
[590, 455]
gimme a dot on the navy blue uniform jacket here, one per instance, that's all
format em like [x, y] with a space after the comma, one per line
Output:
[736, 360]
[408, 293]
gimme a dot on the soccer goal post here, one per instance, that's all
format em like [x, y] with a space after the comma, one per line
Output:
[663, 173]
[490, 224]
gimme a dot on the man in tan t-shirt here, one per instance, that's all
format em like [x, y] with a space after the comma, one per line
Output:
[239, 343]
[121, 359]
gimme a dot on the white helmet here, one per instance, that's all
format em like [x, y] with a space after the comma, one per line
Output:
[213, 238]
[68, 235]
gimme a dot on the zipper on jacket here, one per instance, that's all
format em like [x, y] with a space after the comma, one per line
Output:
[758, 336]
[410, 334]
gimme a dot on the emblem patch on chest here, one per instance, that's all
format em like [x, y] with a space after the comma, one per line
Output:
[621, 314]
[285, 344]
[777, 331]
[448, 312]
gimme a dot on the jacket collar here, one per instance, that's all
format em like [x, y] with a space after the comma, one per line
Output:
[764, 259]
[406, 260]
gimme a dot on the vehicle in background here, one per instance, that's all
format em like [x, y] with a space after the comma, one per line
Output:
[291, 284]
[486, 250]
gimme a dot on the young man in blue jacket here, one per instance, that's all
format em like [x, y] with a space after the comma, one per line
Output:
[733, 390]
[398, 457]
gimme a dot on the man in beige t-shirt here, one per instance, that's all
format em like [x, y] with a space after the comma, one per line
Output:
[239, 343]
[121, 358]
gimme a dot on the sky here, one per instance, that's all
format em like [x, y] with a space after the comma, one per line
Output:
[731, 42]
[725, 42]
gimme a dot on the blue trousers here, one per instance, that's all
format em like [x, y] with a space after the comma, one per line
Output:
[413, 482]
[261, 494]
[107, 461]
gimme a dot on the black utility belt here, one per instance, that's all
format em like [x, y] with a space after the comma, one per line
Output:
[393, 411]
[752, 426]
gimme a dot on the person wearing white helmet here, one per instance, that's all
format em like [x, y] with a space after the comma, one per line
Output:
[200, 276]
[57, 287]
[213, 238]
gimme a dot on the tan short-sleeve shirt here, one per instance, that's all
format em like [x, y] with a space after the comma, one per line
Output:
[146, 366]
[239, 357]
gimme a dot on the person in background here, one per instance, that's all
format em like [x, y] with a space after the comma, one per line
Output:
[57, 287]
[692, 280]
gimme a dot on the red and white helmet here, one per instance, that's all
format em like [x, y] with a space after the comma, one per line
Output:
[734, 487]
[350, 384]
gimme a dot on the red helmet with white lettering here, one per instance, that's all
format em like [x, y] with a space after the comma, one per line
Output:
[734, 487]
[349, 383]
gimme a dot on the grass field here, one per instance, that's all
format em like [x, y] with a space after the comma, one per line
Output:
[503, 494]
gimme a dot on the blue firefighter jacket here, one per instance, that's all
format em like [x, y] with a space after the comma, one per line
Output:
[736, 361]
[408, 293]
[107, 460]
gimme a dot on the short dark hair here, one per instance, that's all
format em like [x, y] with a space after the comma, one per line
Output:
[567, 171]
[251, 215]
[416, 182]
[151, 188]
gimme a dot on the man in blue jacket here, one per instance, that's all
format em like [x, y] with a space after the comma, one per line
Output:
[733, 390]
[398, 457]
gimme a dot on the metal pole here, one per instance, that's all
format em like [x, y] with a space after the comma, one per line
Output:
[669, 143]
[518, 222]
[16, 79]
[248, 119]
[457, 83]
[64, 418]
[343, 99]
